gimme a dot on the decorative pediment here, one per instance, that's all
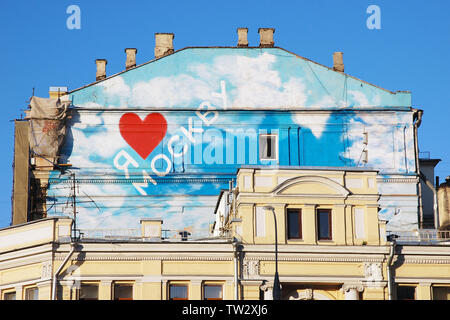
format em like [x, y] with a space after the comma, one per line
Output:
[311, 185]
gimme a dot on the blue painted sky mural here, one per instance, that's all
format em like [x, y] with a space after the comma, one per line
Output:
[163, 139]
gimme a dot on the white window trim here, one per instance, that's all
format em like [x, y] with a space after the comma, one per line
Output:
[275, 148]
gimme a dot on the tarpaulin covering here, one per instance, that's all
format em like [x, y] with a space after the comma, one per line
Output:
[20, 191]
[47, 125]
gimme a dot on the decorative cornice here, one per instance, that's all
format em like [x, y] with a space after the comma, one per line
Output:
[321, 258]
[426, 260]
[397, 180]
[142, 258]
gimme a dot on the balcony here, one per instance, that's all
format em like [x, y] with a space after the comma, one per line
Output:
[422, 237]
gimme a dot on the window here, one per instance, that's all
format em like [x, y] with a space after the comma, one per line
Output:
[9, 295]
[441, 293]
[406, 293]
[294, 222]
[268, 147]
[88, 292]
[212, 292]
[123, 291]
[32, 294]
[324, 224]
[178, 292]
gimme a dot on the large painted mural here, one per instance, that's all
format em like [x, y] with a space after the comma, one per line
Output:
[163, 139]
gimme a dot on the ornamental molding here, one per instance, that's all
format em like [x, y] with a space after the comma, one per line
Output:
[373, 272]
[251, 268]
[352, 286]
[142, 258]
[46, 270]
[321, 258]
[341, 191]
[397, 180]
[427, 260]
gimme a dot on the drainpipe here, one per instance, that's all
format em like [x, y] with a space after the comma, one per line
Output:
[418, 113]
[55, 276]
[236, 244]
[389, 265]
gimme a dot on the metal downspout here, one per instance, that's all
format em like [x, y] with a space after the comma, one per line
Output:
[236, 268]
[55, 276]
[389, 264]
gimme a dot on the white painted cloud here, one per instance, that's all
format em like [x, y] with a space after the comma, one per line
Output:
[166, 92]
[116, 87]
[383, 151]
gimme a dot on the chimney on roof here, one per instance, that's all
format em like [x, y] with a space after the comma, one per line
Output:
[338, 61]
[131, 58]
[163, 44]
[101, 69]
[266, 37]
[242, 37]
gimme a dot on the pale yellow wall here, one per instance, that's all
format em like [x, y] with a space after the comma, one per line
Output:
[279, 189]
[412, 270]
[198, 267]
[293, 268]
[19, 274]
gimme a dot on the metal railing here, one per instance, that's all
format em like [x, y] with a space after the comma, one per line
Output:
[110, 233]
[125, 234]
[424, 236]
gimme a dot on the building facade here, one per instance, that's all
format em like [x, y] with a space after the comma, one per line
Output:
[331, 246]
[162, 181]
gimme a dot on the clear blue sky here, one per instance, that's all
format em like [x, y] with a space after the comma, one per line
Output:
[410, 52]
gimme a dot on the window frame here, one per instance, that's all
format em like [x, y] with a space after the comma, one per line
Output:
[300, 224]
[179, 285]
[273, 148]
[406, 286]
[89, 284]
[212, 285]
[435, 294]
[8, 292]
[330, 220]
[124, 284]
[28, 289]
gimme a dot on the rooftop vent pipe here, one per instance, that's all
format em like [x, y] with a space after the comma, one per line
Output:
[266, 37]
[131, 58]
[242, 37]
[101, 69]
[163, 44]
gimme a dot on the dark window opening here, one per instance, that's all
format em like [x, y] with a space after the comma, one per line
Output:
[123, 291]
[9, 296]
[294, 221]
[88, 292]
[268, 147]
[406, 293]
[324, 224]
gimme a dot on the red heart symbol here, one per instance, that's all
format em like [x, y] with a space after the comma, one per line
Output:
[143, 136]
